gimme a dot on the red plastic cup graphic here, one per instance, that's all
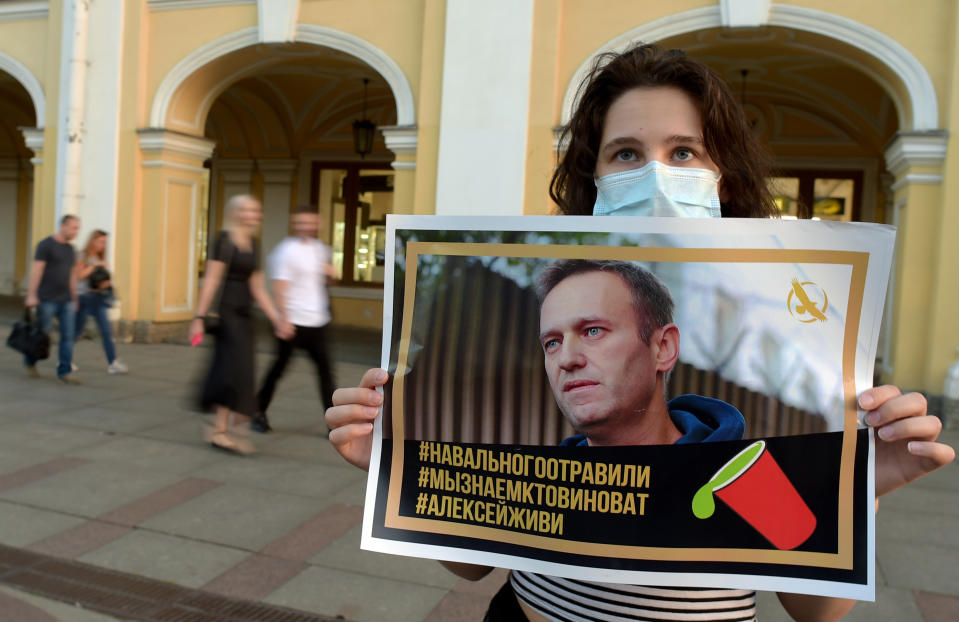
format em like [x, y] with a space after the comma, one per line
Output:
[754, 486]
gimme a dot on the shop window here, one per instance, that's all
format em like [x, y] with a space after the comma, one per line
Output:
[818, 194]
[354, 199]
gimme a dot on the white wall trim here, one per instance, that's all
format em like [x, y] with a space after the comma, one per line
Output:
[306, 33]
[922, 94]
[908, 149]
[29, 82]
[929, 179]
[277, 20]
[175, 5]
[744, 13]
[26, 9]
[154, 141]
[372, 56]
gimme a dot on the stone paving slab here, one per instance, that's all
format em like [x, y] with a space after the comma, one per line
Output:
[91, 489]
[149, 454]
[920, 566]
[24, 525]
[357, 596]
[345, 554]
[237, 516]
[167, 558]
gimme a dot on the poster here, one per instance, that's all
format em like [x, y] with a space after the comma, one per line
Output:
[779, 319]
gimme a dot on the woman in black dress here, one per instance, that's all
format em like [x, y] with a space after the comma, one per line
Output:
[229, 388]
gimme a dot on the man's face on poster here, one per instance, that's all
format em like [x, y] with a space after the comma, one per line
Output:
[601, 372]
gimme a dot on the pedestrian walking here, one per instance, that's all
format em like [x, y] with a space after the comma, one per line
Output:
[299, 268]
[52, 288]
[233, 271]
[95, 290]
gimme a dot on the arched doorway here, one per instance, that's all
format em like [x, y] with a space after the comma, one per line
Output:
[285, 134]
[237, 115]
[843, 56]
[824, 119]
[16, 182]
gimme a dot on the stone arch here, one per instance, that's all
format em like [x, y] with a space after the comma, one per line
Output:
[305, 33]
[918, 110]
[29, 82]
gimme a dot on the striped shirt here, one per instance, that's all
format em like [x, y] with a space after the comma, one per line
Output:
[568, 600]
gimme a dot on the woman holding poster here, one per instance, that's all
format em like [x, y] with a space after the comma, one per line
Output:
[658, 134]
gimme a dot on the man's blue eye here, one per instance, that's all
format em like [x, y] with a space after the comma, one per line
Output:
[593, 331]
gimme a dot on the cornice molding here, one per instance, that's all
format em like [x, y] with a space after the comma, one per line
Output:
[401, 139]
[33, 137]
[26, 9]
[916, 149]
[157, 141]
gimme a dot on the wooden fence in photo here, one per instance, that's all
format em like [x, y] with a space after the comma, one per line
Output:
[478, 376]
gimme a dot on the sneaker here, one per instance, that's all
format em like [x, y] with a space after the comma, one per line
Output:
[261, 424]
[33, 372]
[116, 367]
[70, 379]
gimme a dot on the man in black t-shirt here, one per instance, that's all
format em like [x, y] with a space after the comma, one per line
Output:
[52, 288]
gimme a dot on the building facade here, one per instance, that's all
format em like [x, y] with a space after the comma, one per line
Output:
[143, 116]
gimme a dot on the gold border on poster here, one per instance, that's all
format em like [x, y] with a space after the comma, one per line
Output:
[842, 559]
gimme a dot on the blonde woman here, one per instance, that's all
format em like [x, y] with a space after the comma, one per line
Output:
[95, 295]
[233, 270]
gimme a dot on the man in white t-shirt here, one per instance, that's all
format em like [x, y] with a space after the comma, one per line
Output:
[298, 268]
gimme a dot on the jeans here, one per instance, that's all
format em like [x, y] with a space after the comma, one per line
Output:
[96, 304]
[66, 317]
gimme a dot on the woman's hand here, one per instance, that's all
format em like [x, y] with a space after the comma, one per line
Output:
[350, 419]
[906, 447]
[196, 331]
[283, 329]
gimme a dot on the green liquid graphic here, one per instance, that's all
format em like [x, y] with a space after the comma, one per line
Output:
[703, 502]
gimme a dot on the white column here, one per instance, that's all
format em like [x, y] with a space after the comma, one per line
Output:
[277, 196]
[485, 107]
[71, 133]
[97, 203]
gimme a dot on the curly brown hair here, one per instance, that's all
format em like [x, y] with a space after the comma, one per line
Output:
[727, 136]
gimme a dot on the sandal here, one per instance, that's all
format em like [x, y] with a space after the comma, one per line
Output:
[222, 441]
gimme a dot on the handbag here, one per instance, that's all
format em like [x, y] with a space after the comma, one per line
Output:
[28, 338]
[211, 321]
[97, 277]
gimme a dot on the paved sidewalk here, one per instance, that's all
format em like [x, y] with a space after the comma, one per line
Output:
[113, 474]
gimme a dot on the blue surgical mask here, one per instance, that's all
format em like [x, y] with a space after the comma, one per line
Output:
[659, 190]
